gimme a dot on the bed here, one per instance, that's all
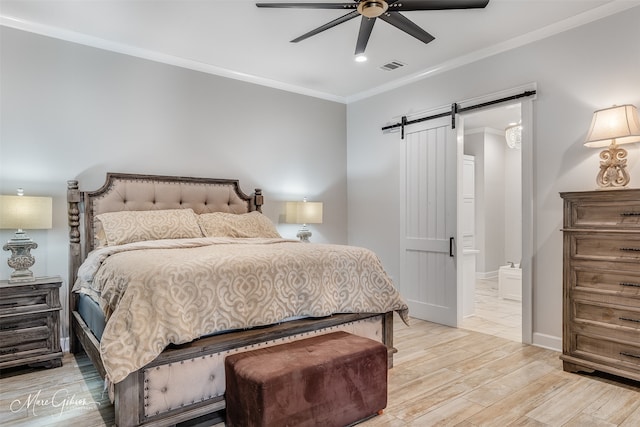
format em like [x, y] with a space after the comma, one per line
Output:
[157, 305]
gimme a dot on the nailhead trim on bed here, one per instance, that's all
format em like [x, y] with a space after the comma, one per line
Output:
[202, 378]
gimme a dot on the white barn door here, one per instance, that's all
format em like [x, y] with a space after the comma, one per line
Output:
[428, 221]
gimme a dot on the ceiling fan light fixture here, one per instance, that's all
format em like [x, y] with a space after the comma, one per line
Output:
[513, 135]
[372, 8]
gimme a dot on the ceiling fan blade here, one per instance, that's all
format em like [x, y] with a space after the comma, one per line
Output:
[408, 5]
[345, 6]
[366, 26]
[403, 23]
[326, 26]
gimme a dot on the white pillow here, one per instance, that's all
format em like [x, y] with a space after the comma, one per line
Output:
[222, 224]
[135, 226]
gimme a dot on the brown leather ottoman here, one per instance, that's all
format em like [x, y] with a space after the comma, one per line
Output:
[327, 380]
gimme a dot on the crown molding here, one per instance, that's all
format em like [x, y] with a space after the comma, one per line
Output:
[592, 15]
[99, 43]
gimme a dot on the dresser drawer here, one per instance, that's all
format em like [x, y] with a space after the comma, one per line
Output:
[601, 211]
[605, 246]
[624, 355]
[608, 315]
[606, 278]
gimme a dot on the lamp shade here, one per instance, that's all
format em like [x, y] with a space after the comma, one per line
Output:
[619, 123]
[22, 212]
[303, 213]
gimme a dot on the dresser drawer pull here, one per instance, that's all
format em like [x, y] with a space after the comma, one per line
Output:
[630, 214]
[628, 319]
[623, 353]
[633, 285]
[630, 249]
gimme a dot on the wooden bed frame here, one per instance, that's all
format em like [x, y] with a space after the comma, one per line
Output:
[133, 395]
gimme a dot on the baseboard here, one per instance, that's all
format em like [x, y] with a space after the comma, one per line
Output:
[549, 342]
[64, 344]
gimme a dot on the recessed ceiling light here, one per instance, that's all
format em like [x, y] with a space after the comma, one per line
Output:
[360, 58]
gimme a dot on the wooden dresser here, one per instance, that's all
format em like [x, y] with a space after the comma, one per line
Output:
[30, 323]
[601, 309]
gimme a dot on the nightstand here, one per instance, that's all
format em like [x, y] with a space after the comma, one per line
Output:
[30, 323]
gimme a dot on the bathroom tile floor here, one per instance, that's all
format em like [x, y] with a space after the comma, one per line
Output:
[494, 315]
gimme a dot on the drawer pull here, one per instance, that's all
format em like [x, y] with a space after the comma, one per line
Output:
[630, 214]
[623, 353]
[633, 285]
[630, 249]
[628, 319]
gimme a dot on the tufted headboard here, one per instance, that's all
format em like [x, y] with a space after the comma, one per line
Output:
[132, 192]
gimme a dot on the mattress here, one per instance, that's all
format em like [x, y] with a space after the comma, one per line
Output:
[92, 315]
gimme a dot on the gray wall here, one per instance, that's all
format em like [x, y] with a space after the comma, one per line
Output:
[578, 71]
[75, 112]
[69, 111]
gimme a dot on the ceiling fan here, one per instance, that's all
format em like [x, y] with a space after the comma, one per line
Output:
[387, 10]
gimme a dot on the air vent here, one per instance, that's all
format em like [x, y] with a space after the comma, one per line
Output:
[393, 65]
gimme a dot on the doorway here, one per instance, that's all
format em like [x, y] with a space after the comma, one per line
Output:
[420, 283]
[492, 291]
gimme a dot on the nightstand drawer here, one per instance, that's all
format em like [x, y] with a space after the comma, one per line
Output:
[26, 336]
[605, 246]
[30, 323]
[28, 299]
[23, 323]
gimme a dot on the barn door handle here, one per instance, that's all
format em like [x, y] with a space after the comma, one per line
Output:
[451, 246]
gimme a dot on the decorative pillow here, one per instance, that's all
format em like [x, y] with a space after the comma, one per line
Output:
[222, 224]
[135, 226]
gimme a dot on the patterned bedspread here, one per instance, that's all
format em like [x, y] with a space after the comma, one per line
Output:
[174, 291]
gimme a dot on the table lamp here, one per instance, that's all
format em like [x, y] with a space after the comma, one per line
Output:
[303, 213]
[19, 213]
[610, 128]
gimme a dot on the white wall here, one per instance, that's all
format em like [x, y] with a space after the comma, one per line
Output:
[576, 72]
[494, 201]
[75, 112]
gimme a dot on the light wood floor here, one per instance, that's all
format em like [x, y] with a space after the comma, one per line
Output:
[442, 376]
[494, 315]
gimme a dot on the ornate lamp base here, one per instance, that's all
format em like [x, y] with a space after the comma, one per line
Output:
[21, 259]
[304, 234]
[613, 168]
